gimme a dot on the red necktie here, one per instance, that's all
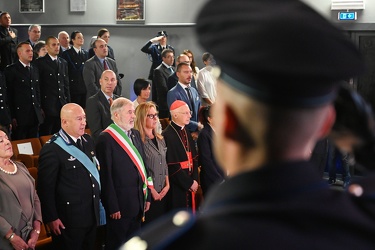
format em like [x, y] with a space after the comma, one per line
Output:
[105, 65]
[110, 101]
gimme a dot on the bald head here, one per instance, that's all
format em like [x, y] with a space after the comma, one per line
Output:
[73, 119]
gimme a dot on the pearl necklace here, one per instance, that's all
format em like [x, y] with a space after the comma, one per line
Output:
[9, 172]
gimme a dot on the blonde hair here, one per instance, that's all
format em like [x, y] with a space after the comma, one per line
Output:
[140, 122]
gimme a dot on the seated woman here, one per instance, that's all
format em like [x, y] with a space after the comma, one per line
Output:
[142, 88]
[20, 214]
[210, 173]
[155, 151]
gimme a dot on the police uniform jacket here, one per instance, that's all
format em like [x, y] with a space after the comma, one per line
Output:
[5, 118]
[24, 94]
[54, 84]
[75, 67]
[279, 206]
[66, 189]
[154, 50]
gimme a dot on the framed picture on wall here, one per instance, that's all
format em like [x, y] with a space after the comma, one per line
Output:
[130, 11]
[31, 6]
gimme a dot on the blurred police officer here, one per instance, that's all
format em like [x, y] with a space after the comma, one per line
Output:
[274, 103]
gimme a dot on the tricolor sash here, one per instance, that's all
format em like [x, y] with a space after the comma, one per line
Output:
[124, 141]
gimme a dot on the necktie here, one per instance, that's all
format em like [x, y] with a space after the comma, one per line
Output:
[188, 91]
[57, 62]
[79, 144]
[105, 65]
[129, 134]
[110, 100]
[171, 69]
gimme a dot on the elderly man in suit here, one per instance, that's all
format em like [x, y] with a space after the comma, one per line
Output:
[98, 105]
[125, 183]
[22, 80]
[68, 183]
[94, 67]
[34, 31]
[183, 91]
[160, 79]
[54, 86]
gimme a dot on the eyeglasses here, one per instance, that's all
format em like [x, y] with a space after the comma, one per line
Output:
[186, 113]
[153, 116]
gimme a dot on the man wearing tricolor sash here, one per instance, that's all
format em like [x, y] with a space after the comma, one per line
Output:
[182, 158]
[125, 183]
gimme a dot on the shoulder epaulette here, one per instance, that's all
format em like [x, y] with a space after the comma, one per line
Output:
[162, 232]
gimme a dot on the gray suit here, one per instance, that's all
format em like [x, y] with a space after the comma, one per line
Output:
[92, 71]
[10, 208]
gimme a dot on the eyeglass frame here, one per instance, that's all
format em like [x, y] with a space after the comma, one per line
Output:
[153, 116]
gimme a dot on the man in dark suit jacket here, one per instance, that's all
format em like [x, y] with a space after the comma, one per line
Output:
[64, 39]
[34, 31]
[54, 86]
[94, 67]
[173, 79]
[123, 175]
[104, 34]
[8, 41]
[179, 92]
[22, 79]
[161, 74]
[68, 183]
[98, 105]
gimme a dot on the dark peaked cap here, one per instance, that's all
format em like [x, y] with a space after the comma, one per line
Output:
[277, 51]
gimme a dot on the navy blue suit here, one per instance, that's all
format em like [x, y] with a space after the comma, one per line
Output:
[178, 93]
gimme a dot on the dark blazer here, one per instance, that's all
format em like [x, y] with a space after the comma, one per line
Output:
[161, 74]
[5, 118]
[54, 84]
[8, 45]
[173, 80]
[32, 45]
[210, 173]
[266, 209]
[24, 94]
[92, 71]
[154, 50]
[121, 181]
[66, 189]
[98, 114]
[75, 68]
[111, 54]
[178, 93]
[62, 51]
